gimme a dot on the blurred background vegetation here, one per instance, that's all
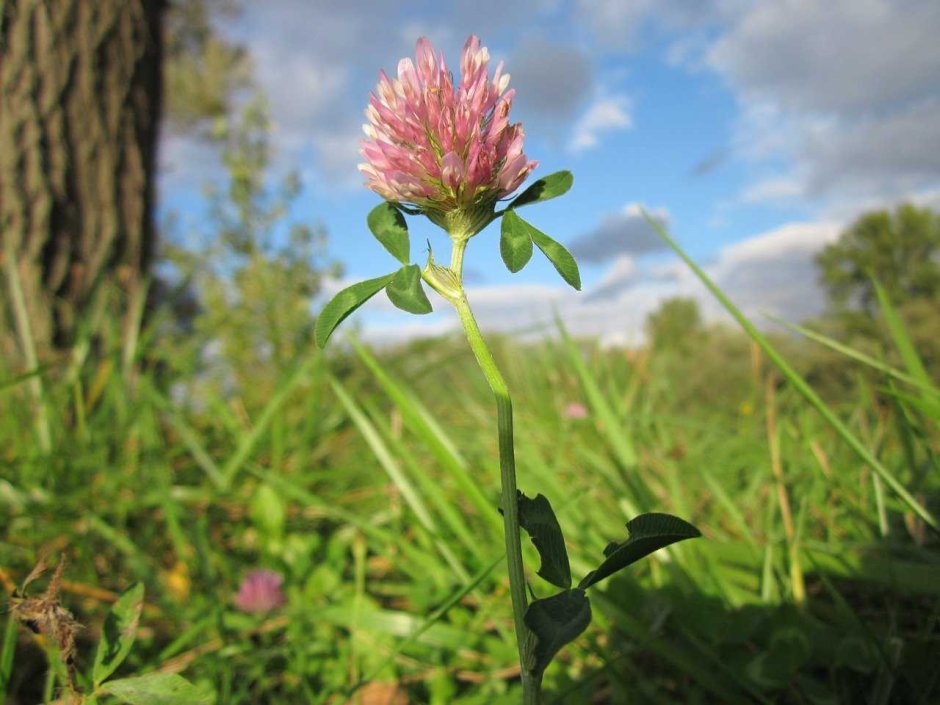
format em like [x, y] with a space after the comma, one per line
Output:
[166, 419]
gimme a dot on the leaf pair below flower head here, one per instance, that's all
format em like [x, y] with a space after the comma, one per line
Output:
[518, 235]
[515, 245]
[402, 287]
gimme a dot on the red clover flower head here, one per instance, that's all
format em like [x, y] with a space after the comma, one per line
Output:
[442, 147]
[260, 591]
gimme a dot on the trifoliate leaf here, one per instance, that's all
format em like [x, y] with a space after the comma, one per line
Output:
[515, 242]
[547, 187]
[406, 292]
[344, 303]
[556, 621]
[389, 227]
[557, 254]
[648, 533]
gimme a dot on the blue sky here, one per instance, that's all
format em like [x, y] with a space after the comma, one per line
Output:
[755, 130]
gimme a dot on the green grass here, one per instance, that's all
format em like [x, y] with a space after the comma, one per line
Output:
[370, 480]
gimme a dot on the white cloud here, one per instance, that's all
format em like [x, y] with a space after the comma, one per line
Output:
[840, 56]
[773, 189]
[889, 155]
[840, 98]
[784, 241]
[623, 269]
[603, 115]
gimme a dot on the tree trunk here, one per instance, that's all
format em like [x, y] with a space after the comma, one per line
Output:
[80, 98]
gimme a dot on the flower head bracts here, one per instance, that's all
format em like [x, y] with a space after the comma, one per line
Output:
[443, 147]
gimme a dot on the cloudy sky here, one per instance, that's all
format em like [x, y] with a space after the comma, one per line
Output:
[754, 130]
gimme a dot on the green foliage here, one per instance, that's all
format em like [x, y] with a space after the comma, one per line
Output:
[203, 70]
[515, 242]
[344, 303]
[556, 621]
[118, 634]
[515, 246]
[538, 520]
[406, 292]
[901, 250]
[388, 225]
[158, 689]
[251, 283]
[551, 186]
[365, 479]
[675, 325]
[647, 533]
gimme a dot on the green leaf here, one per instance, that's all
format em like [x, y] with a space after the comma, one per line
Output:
[648, 533]
[406, 292]
[547, 187]
[344, 303]
[902, 338]
[558, 256]
[515, 242]
[118, 633]
[556, 621]
[158, 689]
[388, 225]
[538, 519]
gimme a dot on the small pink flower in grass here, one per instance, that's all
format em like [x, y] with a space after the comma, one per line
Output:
[439, 146]
[576, 410]
[260, 591]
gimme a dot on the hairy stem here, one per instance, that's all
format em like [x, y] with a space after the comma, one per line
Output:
[508, 500]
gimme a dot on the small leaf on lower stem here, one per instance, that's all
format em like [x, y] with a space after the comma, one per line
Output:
[538, 519]
[556, 621]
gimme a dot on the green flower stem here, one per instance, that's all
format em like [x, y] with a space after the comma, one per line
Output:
[507, 466]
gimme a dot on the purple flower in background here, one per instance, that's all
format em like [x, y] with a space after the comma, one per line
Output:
[260, 591]
[576, 410]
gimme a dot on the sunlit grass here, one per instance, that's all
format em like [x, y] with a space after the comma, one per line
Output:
[369, 480]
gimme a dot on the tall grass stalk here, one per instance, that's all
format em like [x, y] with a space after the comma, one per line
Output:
[799, 383]
[27, 341]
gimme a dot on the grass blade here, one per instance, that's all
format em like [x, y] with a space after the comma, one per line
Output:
[794, 378]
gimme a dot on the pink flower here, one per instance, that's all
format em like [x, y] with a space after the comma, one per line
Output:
[443, 147]
[260, 591]
[575, 410]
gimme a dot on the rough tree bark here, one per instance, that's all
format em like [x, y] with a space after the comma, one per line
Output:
[80, 98]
